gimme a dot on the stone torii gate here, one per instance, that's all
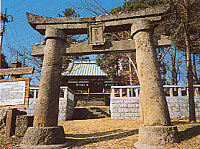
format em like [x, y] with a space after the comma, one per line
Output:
[156, 129]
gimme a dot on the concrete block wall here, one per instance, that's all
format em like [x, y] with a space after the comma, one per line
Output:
[179, 106]
[31, 107]
[66, 108]
[124, 108]
[129, 108]
[62, 109]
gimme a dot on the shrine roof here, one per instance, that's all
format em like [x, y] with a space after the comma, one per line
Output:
[83, 68]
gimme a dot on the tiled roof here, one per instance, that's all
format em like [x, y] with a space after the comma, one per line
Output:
[83, 68]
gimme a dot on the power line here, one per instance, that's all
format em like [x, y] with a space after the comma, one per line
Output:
[15, 31]
[12, 35]
[23, 39]
[5, 19]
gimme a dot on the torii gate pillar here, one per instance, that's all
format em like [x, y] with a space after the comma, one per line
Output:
[45, 130]
[156, 129]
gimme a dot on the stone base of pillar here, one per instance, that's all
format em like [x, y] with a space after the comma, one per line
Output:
[52, 137]
[58, 146]
[156, 136]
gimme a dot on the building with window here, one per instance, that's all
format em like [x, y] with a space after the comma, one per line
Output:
[89, 83]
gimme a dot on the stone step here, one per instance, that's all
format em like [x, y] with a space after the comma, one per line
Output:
[100, 109]
[90, 103]
[100, 113]
[91, 112]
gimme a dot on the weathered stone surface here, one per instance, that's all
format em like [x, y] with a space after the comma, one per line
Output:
[57, 146]
[138, 145]
[22, 123]
[44, 136]
[45, 130]
[47, 105]
[108, 47]
[112, 23]
[154, 106]
[96, 34]
[84, 48]
[157, 135]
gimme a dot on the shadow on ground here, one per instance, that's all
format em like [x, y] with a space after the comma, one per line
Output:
[189, 133]
[178, 122]
[89, 113]
[77, 140]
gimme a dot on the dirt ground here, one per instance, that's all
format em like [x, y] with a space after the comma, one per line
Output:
[108, 133]
[114, 134]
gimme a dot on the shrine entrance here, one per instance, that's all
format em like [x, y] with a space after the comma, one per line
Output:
[153, 114]
[96, 87]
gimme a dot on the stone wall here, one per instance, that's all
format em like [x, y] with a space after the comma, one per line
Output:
[124, 108]
[129, 108]
[22, 123]
[31, 107]
[178, 107]
[66, 108]
[66, 104]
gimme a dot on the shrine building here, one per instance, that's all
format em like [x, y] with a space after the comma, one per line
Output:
[89, 83]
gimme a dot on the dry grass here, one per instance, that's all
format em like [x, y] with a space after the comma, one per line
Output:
[12, 143]
[189, 135]
[108, 133]
[101, 133]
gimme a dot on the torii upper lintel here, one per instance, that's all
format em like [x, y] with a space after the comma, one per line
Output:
[112, 23]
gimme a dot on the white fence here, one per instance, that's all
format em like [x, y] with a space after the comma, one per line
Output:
[130, 92]
[65, 92]
[124, 103]
[66, 102]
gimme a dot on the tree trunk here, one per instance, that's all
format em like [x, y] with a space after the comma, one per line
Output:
[195, 70]
[131, 77]
[192, 117]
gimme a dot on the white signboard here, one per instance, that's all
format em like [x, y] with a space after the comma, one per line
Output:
[12, 93]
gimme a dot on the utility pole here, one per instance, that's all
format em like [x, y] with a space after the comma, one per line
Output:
[4, 19]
